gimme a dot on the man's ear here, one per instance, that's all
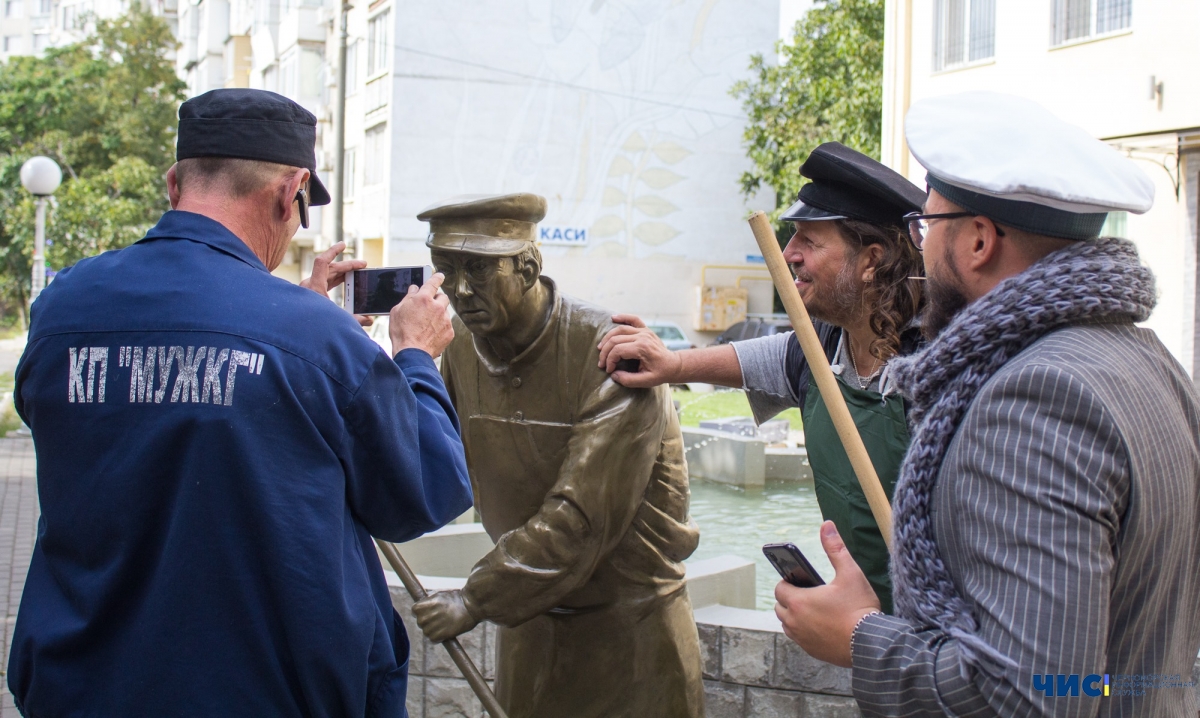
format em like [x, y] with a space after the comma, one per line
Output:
[173, 192]
[529, 271]
[287, 198]
[872, 256]
[983, 246]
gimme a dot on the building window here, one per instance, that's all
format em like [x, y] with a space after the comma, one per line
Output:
[1080, 19]
[44, 7]
[1114, 226]
[287, 76]
[348, 173]
[41, 41]
[964, 31]
[69, 17]
[266, 13]
[375, 158]
[271, 79]
[312, 74]
[12, 8]
[378, 42]
[377, 93]
[12, 43]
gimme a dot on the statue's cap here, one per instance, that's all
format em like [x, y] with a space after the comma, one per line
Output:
[499, 225]
[849, 185]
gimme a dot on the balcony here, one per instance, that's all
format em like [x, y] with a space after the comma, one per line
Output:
[378, 92]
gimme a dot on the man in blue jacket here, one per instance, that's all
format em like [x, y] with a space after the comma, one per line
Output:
[216, 447]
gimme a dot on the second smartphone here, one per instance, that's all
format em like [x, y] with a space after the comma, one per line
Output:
[792, 565]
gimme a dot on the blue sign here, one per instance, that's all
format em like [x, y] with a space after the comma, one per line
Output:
[755, 259]
[570, 236]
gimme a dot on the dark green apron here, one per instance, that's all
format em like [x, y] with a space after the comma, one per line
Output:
[881, 423]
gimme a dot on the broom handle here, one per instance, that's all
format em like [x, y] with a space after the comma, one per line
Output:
[818, 364]
[465, 665]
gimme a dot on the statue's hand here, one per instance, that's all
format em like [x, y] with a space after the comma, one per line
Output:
[443, 615]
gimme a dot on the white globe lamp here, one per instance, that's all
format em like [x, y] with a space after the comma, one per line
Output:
[40, 176]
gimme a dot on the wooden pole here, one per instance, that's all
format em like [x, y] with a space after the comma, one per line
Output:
[818, 363]
[465, 665]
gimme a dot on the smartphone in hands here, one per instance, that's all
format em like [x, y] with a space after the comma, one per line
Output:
[792, 565]
[376, 291]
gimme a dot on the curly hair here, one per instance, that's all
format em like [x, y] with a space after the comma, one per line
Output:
[894, 298]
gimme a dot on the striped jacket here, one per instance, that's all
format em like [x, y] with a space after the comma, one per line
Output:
[1067, 511]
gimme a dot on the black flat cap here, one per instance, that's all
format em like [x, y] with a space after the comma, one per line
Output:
[251, 125]
[847, 184]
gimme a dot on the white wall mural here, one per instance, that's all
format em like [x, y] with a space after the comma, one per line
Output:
[616, 110]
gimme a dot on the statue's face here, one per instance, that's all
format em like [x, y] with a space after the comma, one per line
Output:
[485, 292]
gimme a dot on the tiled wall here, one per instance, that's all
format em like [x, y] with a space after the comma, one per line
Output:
[747, 672]
[750, 673]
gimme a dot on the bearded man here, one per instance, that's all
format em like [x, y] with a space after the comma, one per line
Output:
[580, 481]
[856, 272]
[1048, 513]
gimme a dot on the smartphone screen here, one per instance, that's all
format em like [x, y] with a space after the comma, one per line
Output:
[792, 565]
[376, 291]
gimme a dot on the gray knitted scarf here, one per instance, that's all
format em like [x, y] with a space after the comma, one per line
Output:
[1086, 282]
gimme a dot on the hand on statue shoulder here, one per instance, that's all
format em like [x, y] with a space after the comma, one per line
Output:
[629, 341]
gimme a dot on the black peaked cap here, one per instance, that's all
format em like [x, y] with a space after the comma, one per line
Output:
[251, 125]
[847, 184]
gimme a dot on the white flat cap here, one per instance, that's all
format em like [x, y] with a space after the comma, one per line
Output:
[1008, 158]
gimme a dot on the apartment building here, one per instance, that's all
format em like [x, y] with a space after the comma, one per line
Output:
[27, 27]
[617, 111]
[1121, 69]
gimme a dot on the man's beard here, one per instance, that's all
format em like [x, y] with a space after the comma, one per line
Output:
[943, 301]
[839, 304]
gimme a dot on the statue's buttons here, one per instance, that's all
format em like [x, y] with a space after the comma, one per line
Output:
[519, 416]
[516, 382]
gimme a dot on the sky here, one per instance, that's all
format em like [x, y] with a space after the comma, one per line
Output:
[789, 12]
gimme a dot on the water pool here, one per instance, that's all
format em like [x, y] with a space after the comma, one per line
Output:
[737, 522]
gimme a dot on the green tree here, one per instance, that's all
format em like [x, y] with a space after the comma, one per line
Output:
[828, 86]
[105, 110]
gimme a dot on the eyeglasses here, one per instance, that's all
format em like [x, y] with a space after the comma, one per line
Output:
[918, 225]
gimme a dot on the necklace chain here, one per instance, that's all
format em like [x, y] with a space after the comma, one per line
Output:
[862, 383]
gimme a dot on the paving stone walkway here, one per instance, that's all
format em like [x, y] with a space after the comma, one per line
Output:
[18, 529]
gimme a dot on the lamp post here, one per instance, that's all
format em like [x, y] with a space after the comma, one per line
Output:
[40, 176]
[339, 136]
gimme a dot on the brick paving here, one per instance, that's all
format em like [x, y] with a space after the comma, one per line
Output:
[18, 529]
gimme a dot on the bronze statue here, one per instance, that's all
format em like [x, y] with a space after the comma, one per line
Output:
[581, 483]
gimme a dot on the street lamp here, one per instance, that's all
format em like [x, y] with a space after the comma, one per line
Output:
[40, 176]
